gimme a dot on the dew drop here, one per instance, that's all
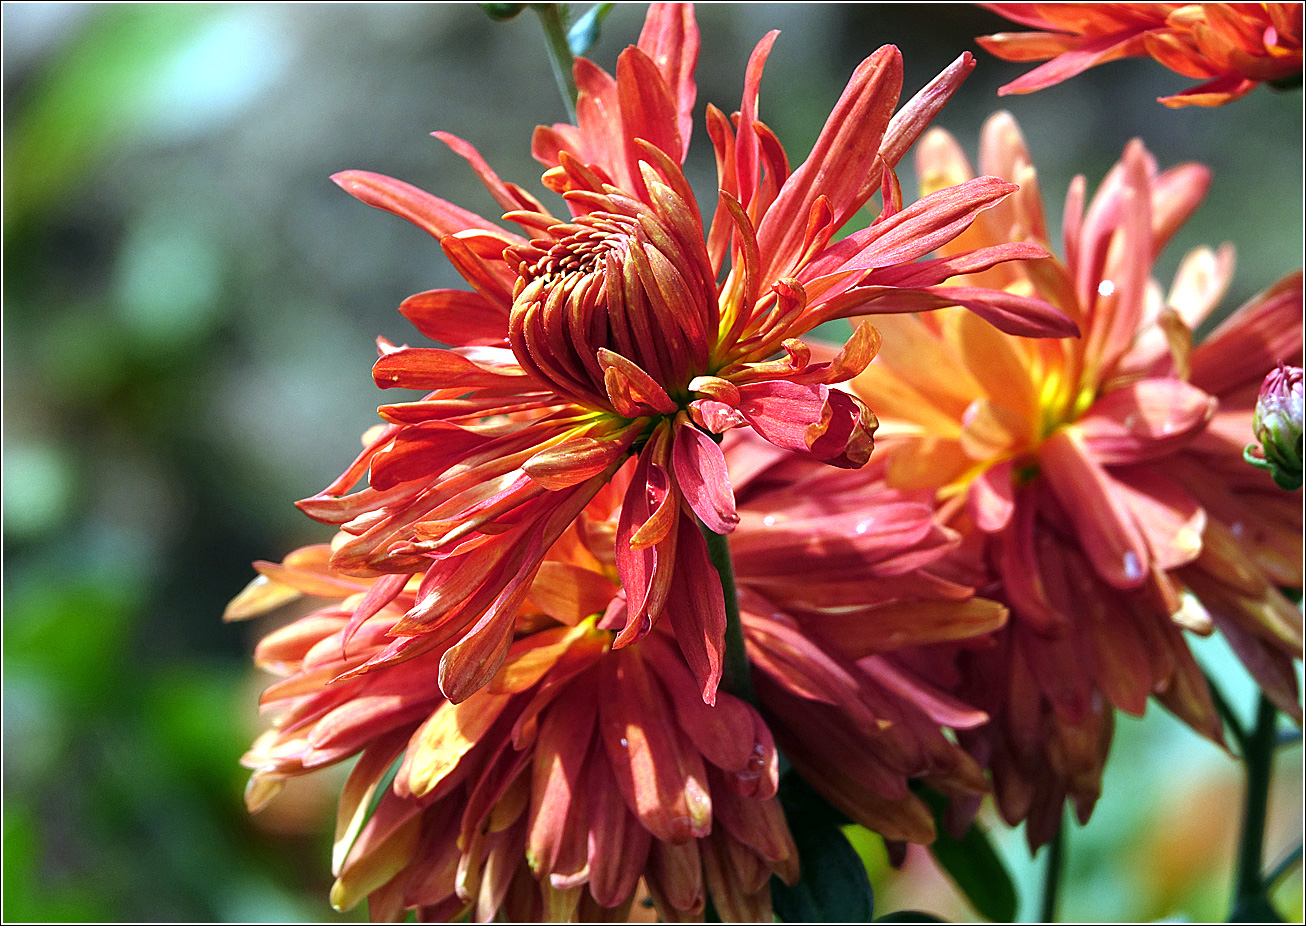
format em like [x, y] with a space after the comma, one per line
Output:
[1237, 528]
[1133, 568]
[862, 527]
[623, 741]
[1106, 288]
[769, 520]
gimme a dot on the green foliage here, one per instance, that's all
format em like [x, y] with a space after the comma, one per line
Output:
[973, 865]
[832, 886]
[92, 103]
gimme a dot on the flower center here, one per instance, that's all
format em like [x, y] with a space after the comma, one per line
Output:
[624, 278]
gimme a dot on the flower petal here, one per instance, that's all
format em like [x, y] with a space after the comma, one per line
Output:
[1099, 514]
[457, 317]
[664, 782]
[1144, 420]
[696, 608]
[701, 475]
[429, 213]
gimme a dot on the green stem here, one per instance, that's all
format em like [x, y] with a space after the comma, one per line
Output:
[555, 33]
[1052, 876]
[1249, 885]
[736, 676]
[1231, 720]
[1281, 868]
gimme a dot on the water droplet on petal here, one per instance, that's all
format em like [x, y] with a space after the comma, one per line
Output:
[1106, 288]
[862, 527]
[769, 520]
[623, 741]
[1133, 567]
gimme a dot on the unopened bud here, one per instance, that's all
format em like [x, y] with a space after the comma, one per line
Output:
[1277, 424]
[502, 11]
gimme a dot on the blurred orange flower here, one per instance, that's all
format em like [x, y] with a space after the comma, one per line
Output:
[582, 769]
[1232, 46]
[1097, 480]
[606, 336]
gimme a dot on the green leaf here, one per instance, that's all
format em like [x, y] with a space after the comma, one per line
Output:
[973, 865]
[346, 843]
[582, 36]
[832, 885]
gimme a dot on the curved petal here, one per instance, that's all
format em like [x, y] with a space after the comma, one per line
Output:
[702, 477]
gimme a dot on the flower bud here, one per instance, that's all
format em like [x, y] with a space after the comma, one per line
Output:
[1277, 424]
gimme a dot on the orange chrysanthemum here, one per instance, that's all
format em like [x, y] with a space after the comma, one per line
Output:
[582, 769]
[1100, 480]
[1232, 46]
[606, 335]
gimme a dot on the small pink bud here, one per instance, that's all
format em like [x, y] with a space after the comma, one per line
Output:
[1277, 424]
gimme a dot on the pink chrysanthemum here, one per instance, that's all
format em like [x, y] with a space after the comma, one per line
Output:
[581, 770]
[624, 331]
[1234, 47]
[1098, 480]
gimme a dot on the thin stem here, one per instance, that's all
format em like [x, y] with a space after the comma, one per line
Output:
[1281, 868]
[1052, 875]
[555, 33]
[736, 676]
[1259, 758]
[1226, 712]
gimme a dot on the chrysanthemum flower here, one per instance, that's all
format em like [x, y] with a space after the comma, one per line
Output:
[1101, 477]
[582, 769]
[606, 335]
[1232, 46]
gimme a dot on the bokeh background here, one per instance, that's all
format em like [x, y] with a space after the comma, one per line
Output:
[189, 313]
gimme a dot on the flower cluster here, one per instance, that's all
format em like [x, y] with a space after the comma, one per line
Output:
[1084, 468]
[565, 691]
[1234, 47]
[606, 336]
[582, 768]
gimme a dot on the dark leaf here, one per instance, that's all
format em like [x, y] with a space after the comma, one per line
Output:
[973, 865]
[833, 886]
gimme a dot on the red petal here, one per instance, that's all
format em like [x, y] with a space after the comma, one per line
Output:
[830, 425]
[670, 39]
[427, 212]
[991, 500]
[696, 609]
[838, 167]
[435, 368]
[922, 227]
[457, 317]
[1144, 420]
[1101, 519]
[664, 782]
[647, 109]
[701, 475]
[561, 749]
[578, 458]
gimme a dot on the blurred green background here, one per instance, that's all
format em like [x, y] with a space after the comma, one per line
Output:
[189, 313]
